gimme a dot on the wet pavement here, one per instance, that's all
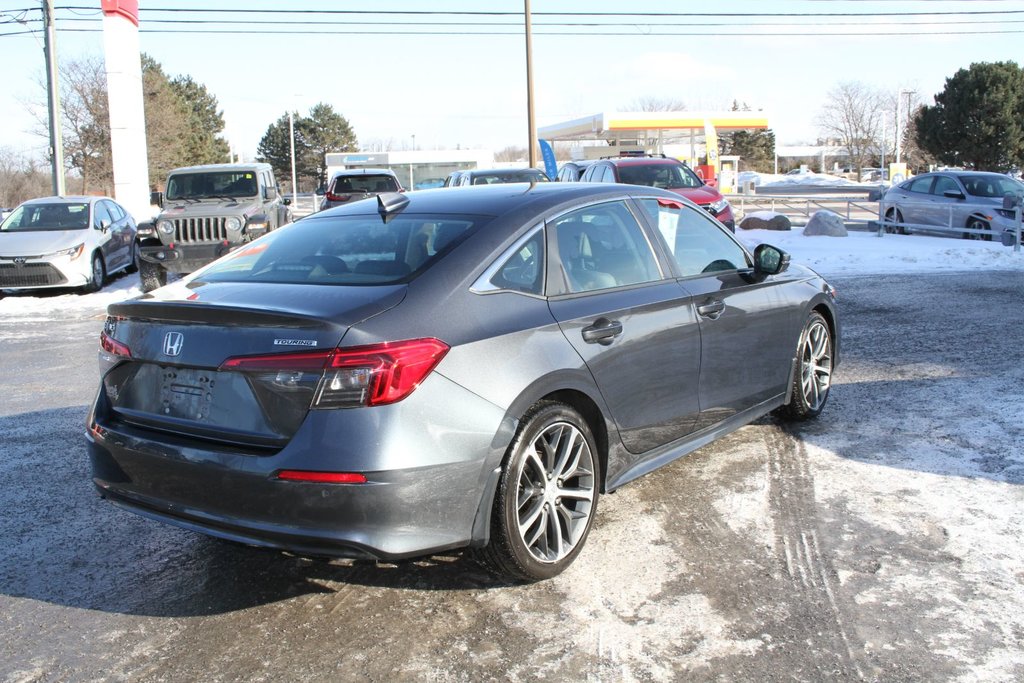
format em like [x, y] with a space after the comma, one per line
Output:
[881, 542]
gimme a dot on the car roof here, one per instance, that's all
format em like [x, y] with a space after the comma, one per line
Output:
[499, 171]
[221, 167]
[362, 171]
[65, 199]
[501, 198]
[643, 161]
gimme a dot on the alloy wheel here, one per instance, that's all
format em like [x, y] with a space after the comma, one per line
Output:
[555, 492]
[816, 365]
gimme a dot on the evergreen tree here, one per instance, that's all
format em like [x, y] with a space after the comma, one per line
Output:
[275, 149]
[324, 131]
[978, 118]
[204, 144]
[321, 132]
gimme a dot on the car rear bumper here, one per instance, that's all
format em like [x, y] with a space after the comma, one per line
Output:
[427, 464]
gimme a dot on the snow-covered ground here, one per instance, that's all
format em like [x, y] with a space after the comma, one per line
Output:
[797, 179]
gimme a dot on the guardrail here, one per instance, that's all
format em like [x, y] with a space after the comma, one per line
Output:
[956, 223]
[802, 205]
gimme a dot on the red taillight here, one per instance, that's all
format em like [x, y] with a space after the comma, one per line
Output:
[322, 477]
[372, 375]
[114, 347]
[315, 360]
[331, 197]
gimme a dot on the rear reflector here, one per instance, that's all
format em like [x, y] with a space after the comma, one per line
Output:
[322, 477]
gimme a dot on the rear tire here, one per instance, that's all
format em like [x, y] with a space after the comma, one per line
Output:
[547, 495]
[895, 216]
[813, 377]
[152, 276]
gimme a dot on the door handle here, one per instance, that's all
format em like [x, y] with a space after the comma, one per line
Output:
[602, 332]
[712, 309]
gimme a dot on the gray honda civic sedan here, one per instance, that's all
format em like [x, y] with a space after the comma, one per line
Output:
[460, 368]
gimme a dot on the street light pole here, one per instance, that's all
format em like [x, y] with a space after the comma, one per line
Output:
[899, 136]
[531, 124]
[53, 98]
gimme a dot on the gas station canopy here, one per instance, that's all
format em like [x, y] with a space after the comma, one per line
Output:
[629, 125]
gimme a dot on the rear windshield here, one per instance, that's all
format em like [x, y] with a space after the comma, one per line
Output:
[63, 216]
[666, 176]
[212, 185]
[525, 176]
[346, 250]
[364, 183]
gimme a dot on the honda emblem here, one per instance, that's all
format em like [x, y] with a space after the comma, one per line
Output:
[173, 341]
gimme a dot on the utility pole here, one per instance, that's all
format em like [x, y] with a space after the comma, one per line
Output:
[529, 88]
[53, 98]
[291, 137]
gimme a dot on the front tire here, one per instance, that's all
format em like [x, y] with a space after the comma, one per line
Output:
[975, 223]
[97, 276]
[813, 377]
[133, 262]
[547, 495]
[152, 276]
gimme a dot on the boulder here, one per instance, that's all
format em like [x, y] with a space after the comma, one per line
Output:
[826, 223]
[763, 220]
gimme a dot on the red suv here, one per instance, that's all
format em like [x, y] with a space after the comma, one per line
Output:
[664, 172]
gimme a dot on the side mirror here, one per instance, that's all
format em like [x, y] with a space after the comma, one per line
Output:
[287, 201]
[1011, 201]
[769, 260]
[156, 199]
[953, 194]
[103, 224]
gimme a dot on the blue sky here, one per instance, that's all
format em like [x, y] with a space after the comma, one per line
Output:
[469, 90]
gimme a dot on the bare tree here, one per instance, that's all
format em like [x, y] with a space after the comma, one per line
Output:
[21, 178]
[655, 103]
[853, 116]
[511, 153]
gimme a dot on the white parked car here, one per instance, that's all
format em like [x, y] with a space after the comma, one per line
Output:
[66, 242]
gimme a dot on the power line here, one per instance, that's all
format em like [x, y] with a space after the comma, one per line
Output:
[468, 13]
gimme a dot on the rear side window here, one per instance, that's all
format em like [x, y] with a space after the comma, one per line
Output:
[523, 271]
[364, 183]
[698, 245]
[921, 185]
[346, 250]
[602, 246]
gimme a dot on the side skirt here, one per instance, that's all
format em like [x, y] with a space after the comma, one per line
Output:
[677, 449]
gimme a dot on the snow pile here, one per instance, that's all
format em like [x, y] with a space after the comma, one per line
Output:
[865, 253]
[809, 179]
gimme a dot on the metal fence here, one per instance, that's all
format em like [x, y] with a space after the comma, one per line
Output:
[873, 213]
[851, 209]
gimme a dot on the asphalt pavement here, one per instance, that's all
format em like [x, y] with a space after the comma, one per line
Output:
[881, 542]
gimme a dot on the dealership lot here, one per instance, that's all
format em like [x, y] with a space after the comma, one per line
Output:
[882, 541]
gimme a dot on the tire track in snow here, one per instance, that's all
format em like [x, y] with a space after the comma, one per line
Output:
[797, 546]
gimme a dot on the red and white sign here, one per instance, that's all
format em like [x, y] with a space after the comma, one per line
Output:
[129, 9]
